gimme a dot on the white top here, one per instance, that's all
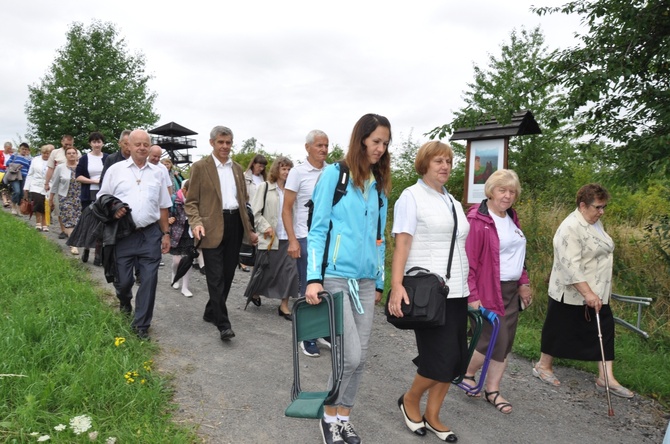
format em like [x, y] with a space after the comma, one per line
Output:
[257, 179]
[36, 176]
[404, 213]
[94, 169]
[141, 188]
[302, 179]
[280, 230]
[512, 247]
[57, 156]
[227, 182]
[167, 180]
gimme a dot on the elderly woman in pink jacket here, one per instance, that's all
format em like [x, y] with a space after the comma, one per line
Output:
[496, 249]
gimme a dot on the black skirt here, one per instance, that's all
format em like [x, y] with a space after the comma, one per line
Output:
[571, 332]
[443, 351]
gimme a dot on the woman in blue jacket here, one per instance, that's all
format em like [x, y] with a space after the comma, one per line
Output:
[354, 262]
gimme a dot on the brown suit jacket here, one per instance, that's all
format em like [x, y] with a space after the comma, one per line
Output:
[203, 201]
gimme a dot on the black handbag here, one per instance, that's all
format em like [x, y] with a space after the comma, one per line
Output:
[427, 293]
[247, 255]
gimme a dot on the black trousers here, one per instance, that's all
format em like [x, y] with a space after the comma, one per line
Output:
[220, 264]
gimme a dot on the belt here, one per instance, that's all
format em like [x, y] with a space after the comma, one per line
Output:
[145, 228]
[235, 211]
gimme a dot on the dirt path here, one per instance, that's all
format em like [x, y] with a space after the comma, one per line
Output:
[236, 392]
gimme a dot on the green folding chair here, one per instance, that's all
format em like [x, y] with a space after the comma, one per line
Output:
[309, 322]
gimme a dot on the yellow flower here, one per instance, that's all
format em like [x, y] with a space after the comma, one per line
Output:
[143, 381]
[147, 365]
[131, 376]
[118, 341]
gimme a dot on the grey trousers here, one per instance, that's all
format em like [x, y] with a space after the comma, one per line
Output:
[141, 249]
[356, 335]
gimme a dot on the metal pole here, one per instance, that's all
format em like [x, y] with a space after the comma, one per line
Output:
[610, 412]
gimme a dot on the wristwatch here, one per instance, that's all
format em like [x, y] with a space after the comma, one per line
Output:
[166, 233]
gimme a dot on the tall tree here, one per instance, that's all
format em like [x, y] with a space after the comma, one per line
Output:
[92, 85]
[513, 81]
[618, 80]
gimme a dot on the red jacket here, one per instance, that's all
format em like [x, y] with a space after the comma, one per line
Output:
[483, 249]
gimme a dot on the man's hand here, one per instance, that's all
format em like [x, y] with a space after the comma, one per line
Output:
[198, 232]
[294, 248]
[165, 244]
[120, 213]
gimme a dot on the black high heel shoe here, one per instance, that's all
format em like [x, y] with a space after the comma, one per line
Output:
[287, 316]
[243, 268]
[417, 427]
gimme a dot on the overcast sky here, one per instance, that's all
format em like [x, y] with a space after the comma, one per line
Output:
[276, 70]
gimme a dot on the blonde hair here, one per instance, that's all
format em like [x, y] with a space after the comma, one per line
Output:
[504, 179]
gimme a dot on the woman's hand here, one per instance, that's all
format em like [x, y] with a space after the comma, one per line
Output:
[268, 233]
[171, 220]
[312, 293]
[475, 304]
[525, 294]
[593, 301]
[396, 297]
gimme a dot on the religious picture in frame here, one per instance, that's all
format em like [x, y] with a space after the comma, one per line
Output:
[485, 157]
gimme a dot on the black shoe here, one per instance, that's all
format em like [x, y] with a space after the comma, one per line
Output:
[126, 309]
[444, 436]
[330, 432]
[286, 316]
[143, 334]
[62, 235]
[256, 300]
[417, 427]
[97, 261]
[84, 256]
[227, 334]
[202, 271]
[348, 433]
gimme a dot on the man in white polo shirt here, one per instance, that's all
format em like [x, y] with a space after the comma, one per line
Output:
[297, 192]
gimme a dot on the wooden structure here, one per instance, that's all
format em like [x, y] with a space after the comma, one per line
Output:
[173, 138]
[486, 150]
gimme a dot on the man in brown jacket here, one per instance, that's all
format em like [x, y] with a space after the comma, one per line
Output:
[215, 206]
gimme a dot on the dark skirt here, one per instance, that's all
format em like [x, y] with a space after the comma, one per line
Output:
[280, 278]
[443, 351]
[508, 323]
[184, 246]
[571, 334]
[38, 202]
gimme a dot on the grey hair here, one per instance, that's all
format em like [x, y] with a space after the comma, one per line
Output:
[9, 144]
[313, 135]
[124, 133]
[220, 130]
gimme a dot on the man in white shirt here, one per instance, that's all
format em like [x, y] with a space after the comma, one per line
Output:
[155, 154]
[297, 192]
[139, 184]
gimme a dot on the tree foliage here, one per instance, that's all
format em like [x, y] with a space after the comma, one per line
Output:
[92, 85]
[617, 80]
[513, 81]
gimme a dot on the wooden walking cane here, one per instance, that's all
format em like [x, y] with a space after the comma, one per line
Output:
[610, 412]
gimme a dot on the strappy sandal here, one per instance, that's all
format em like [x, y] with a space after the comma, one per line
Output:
[474, 384]
[501, 406]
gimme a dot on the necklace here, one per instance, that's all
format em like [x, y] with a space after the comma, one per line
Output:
[138, 180]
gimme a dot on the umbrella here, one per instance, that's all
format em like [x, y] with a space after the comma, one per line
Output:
[186, 262]
[258, 275]
[610, 412]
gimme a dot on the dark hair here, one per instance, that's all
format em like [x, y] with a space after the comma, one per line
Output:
[279, 162]
[356, 157]
[24, 145]
[96, 136]
[590, 192]
[259, 158]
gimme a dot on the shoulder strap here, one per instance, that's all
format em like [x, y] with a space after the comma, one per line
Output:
[453, 236]
[342, 181]
[265, 195]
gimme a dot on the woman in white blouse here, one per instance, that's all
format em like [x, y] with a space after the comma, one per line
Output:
[33, 188]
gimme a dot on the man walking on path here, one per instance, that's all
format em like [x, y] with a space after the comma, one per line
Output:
[298, 191]
[216, 210]
[139, 184]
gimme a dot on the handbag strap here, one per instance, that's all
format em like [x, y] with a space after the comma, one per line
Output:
[453, 236]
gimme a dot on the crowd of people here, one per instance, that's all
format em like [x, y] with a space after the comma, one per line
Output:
[133, 206]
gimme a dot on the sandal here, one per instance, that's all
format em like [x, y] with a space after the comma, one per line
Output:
[545, 376]
[474, 384]
[616, 390]
[45, 228]
[501, 406]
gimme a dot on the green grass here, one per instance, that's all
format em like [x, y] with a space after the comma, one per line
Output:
[58, 330]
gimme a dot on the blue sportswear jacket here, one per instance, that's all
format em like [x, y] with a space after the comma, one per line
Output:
[353, 252]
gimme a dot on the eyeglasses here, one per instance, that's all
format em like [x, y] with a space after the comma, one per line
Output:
[600, 207]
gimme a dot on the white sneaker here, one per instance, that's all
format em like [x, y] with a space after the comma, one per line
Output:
[176, 285]
[186, 293]
[324, 342]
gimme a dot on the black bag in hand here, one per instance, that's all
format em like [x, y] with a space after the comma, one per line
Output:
[427, 294]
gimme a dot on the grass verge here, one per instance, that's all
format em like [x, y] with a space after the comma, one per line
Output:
[66, 353]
